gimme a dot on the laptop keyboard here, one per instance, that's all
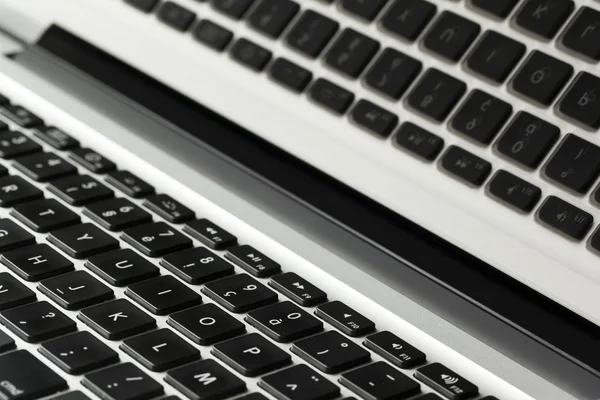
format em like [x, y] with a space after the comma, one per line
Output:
[200, 291]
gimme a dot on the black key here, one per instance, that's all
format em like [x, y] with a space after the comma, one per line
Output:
[43, 167]
[284, 322]
[541, 78]
[351, 53]
[13, 236]
[44, 215]
[251, 355]
[55, 137]
[433, 396]
[408, 18]
[366, 10]
[481, 116]
[205, 380]
[79, 353]
[75, 290]
[122, 267]
[129, 184]
[156, 239]
[380, 381]
[495, 55]
[466, 166]
[3, 170]
[212, 35]
[497, 8]
[3, 126]
[239, 293]
[451, 36]
[38, 381]
[393, 73]
[37, 322]
[298, 289]
[565, 218]
[299, 382]
[544, 18]
[117, 214]
[232, 8]
[250, 54]
[514, 191]
[21, 116]
[311, 33]
[13, 293]
[117, 319]
[253, 261]
[168, 208]
[271, 17]
[595, 241]
[373, 118]
[395, 350]
[143, 5]
[527, 140]
[197, 265]
[331, 352]
[206, 324]
[210, 234]
[37, 262]
[122, 382]
[436, 94]
[446, 382]
[15, 144]
[163, 295]
[78, 190]
[71, 396]
[582, 35]
[83, 240]
[160, 350]
[91, 160]
[419, 141]
[331, 96]
[290, 75]
[176, 16]
[4, 100]
[580, 103]
[575, 165]
[14, 190]
[253, 396]
[6, 343]
[345, 319]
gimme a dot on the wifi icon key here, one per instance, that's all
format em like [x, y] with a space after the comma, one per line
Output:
[446, 382]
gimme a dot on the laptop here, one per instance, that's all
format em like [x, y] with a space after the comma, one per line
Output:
[299, 199]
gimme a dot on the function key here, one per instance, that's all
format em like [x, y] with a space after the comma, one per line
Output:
[565, 218]
[271, 17]
[37, 322]
[210, 234]
[13, 236]
[299, 382]
[380, 381]
[575, 165]
[83, 240]
[373, 118]
[419, 141]
[253, 261]
[232, 8]
[366, 10]
[544, 18]
[43, 167]
[311, 33]
[143, 5]
[582, 36]
[176, 16]
[393, 73]
[168, 208]
[197, 265]
[514, 191]
[15, 144]
[527, 140]
[351, 53]
[212, 35]
[250, 54]
[163, 295]
[495, 55]
[78, 190]
[451, 36]
[290, 75]
[239, 293]
[206, 324]
[122, 267]
[498, 8]
[595, 241]
[122, 381]
[408, 18]
[15, 190]
[395, 350]
[75, 290]
[298, 289]
[91, 160]
[345, 319]
[156, 239]
[13, 293]
[21, 116]
[446, 382]
[284, 322]
[44, 215]
[580, 103]
[117, 319]
[466, 166]
[436, 94]
[331, 96]
[541, 78]
[116, 214]
[55, 137]
[129, 184]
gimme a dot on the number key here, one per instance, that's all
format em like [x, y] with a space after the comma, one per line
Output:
[14, 144]
[197, 265]
[79, 189]
[239, 293]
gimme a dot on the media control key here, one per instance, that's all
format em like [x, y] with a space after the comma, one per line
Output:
[565, 218]
[298, 289]
[466, 166]
[395, 350]
[253, 261]
[446, 381]
[514, 191]
[345, 319]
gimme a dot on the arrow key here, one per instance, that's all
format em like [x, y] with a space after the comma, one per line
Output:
[299, 382]
[156, 239]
